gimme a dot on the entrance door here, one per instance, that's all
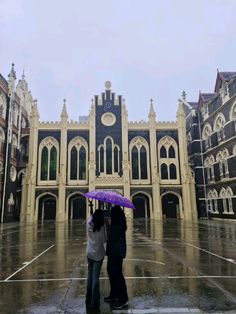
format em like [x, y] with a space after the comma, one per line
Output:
[47, 208]
[77, 207]
[142, 208]
[170, 206]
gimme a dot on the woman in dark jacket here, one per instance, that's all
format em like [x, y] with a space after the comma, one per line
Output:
[116, 252]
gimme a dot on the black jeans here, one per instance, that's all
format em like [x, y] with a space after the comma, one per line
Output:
[117, 280]
[93, 290]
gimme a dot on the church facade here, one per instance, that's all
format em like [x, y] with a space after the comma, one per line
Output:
[163, 167]
[105, 151]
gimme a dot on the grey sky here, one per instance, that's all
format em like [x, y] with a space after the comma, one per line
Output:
[147, 49]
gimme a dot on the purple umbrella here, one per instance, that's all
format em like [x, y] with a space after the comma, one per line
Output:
[110, 197]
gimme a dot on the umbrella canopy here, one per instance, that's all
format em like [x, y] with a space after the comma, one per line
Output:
[110, 197]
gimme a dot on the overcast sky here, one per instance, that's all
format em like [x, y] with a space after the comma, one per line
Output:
[147, 49]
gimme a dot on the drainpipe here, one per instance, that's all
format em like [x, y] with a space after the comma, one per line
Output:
[203, 173]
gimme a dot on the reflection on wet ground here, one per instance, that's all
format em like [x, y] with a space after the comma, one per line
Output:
[171, 267]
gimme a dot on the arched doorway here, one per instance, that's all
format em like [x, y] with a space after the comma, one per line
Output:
[142, 206]
[170, 206]
[77, 207]
[47, 207]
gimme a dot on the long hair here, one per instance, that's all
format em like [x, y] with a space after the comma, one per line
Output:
[118, 217]
[98, 220]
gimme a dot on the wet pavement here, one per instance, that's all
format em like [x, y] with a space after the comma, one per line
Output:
[171, 267]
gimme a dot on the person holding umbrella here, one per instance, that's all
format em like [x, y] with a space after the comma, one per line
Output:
[116, 252]
[95, 254]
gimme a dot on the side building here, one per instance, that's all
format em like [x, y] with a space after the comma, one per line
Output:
[211, 134]
[15, 107]
[146, 161]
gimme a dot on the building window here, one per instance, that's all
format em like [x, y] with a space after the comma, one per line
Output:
[222, 159]
[164, 172]
[78, 155]
[49, 159]
[173, 175]
[135, 167]
[219, 126]
[169, 164]
[139, 152]
[13, 146]
[206, 135]
[163, 153]
[2, 106]
[226, 195]
[109, 159]
[2, 140]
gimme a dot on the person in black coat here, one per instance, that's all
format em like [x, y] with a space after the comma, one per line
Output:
[116, 252]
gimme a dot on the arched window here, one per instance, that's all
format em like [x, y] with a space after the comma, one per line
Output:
[2, 106]
[139, 152]
[13, 146]
[173, 172]
[108, 156]
[48, 160]
[233, 112]
[171, 152]
[135, 166]
[77, 157]
[53, 163]
[168, 164]
[163, 152]
[219, 126]
[102, 159]
[206, 135]
[73, 163]
[2, 140]
[143, 163]
[164, 172]
[116, 159]
[44, 164]
[82, 163]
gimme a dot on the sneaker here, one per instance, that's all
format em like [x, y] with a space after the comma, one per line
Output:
[120, 305]
[110, 299]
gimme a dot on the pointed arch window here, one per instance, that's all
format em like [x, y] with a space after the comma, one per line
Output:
[3, 106]
[143, 163]
[82, 163]
[108, 156]
[2, 140]
[116, 159]
[164, 172]
[109, 159]
[48, 160]
[171, 152]
[73, 163]
[77, 158]
[173, 172]
[135, 162]
[163, 153]
[44, 164]
[168, 163]
[139, 152]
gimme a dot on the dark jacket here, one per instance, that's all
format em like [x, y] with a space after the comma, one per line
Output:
[116, 243]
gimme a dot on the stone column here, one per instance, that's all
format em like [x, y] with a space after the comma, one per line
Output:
[188, 198]
[125, 158]
[32, 164]
[61, 205]
[155, 179]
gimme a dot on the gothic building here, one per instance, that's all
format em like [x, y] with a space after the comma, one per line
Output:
[211, 134]
[145, 161]
[182, 169]
[15, 107]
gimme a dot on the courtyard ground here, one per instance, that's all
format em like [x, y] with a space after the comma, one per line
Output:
[171, 267]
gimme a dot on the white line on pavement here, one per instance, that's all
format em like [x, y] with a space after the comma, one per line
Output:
[27, 263]
[143, 260]
[225, 259]
[127, 278]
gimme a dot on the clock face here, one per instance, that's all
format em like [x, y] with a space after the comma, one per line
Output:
[107, 105]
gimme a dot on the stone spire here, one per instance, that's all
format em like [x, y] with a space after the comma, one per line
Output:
[64, 111]
[11, 79]
[184, 95]
[34, 112]
[152, 113]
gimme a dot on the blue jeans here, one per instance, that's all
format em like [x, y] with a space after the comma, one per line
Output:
[93, 291]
